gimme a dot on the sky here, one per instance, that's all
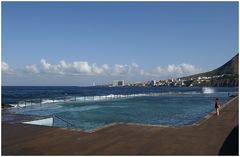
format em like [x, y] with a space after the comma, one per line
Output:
[78, 43]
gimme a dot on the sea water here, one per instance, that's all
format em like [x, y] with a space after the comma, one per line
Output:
[89, 108]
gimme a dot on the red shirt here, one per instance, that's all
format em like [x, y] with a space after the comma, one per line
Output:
[217, 104]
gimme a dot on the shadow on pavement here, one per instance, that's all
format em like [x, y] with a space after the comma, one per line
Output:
[230, 145]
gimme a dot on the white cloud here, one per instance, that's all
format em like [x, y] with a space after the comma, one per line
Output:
[6, 68]
[132, 69]
[119, 69]
[105, 66]
[32, 69]
[135, 69]
[85, 68]
[188, 68]
[74, 68]
[51, 69]
[97, 70]
[175, 70]
[81, 67]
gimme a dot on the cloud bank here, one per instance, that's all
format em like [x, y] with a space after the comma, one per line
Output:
[176, 70]
[6, 68]
[84, 68]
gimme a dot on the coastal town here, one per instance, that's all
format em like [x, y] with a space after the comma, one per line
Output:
[226, 80]
[224, 76]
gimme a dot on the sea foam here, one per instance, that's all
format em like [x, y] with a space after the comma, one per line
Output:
[207, 90]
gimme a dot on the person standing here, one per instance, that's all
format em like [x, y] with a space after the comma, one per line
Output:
[217, 106]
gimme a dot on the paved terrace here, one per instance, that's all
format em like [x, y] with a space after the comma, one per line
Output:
[212, 136]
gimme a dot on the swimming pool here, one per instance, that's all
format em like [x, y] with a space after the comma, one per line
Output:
[171, 108]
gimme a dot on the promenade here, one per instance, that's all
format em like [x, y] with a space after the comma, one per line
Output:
[212, 136]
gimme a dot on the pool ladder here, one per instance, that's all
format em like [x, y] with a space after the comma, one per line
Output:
[68, 124]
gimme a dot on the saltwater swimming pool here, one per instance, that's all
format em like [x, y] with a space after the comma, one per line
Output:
[168, 108]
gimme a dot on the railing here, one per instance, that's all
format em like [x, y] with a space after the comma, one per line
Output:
[69, 125]
[40, 101]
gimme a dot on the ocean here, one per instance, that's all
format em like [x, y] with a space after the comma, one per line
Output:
[89, 108]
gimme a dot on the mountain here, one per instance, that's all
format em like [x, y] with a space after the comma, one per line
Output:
[231, 67]
[224, 76]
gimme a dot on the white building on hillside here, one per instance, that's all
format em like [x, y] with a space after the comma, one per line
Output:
[118, 83]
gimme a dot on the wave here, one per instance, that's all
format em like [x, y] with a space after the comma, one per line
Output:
[207, 90]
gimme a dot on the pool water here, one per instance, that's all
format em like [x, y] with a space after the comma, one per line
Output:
[173, 109]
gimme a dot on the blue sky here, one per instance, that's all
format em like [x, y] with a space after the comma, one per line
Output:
[77, 43]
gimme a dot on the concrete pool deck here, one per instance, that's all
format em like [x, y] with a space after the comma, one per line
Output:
[211, 136]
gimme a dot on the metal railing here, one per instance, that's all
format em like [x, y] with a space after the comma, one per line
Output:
[40, 101]
[68, 124]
